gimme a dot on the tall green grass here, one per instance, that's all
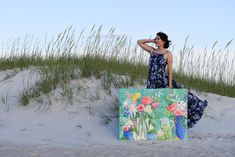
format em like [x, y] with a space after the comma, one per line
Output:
[114, 58]
[211, 70]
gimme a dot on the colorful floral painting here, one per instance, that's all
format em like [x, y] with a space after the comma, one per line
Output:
[153, 114]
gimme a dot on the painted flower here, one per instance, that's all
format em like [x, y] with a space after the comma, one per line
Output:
[129, 123]
[141, 107]
[148, 109]
[158, 97]
[125, 128]
[182, 105]
[133, 108]
[183, 112]
[172, 107]
[128, 94]
[133, 101]
[127, 111]
[178, 112]
[136, 96]
[147, 100]
[156, 105]
[127, 102]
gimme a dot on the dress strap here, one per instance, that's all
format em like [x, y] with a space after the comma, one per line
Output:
[165, 52]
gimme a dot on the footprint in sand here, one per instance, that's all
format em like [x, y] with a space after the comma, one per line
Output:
[88, 133]
[78, 126]
[40, 124]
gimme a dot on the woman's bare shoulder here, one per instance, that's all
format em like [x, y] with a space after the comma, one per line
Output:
[168, 55]
[168, 51]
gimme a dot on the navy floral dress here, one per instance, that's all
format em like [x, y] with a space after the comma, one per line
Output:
[158, 78]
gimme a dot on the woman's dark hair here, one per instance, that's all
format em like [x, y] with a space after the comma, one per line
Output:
[164, 38]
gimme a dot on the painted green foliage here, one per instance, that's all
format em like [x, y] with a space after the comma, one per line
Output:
[153, 114]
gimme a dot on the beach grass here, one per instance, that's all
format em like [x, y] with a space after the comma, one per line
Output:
[114, 58]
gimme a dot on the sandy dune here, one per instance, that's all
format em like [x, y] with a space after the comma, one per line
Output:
[50, 126]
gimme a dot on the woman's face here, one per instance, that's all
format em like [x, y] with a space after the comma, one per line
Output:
[159, 42]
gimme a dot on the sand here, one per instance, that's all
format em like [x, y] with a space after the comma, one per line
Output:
[87, 125]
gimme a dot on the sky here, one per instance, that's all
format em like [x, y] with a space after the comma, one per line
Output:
[205, 21]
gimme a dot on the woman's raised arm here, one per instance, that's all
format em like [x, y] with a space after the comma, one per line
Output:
[143, 45]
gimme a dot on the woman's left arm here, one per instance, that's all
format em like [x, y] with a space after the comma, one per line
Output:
[169, 67]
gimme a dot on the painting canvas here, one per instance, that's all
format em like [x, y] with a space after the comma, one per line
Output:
[153, 114]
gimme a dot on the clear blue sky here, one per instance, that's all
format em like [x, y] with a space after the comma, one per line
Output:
[204, 20]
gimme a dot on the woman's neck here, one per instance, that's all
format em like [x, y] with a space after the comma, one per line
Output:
[161, 49]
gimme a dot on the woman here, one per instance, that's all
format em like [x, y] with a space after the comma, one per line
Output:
[158, 77]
